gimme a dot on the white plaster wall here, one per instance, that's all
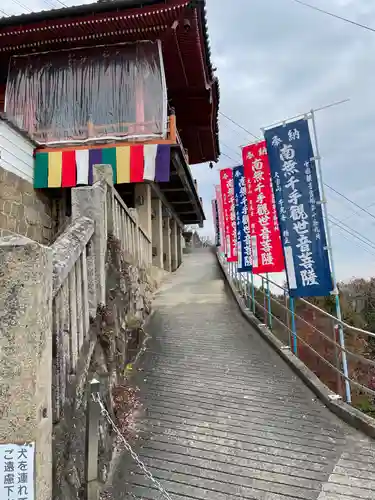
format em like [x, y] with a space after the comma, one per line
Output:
[16, 153]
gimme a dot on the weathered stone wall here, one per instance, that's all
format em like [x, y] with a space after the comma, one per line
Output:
[24, 210]
[116, 334]
[38, 215]
[26, 351]
[115, 331]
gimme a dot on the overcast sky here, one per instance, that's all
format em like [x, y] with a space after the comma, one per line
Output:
[276, 58]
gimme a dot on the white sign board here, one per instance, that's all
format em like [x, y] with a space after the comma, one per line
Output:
[17, 471]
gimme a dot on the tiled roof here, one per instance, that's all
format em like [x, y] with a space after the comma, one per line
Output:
[35, 29]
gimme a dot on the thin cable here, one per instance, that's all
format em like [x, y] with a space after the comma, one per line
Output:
[233, 129]
[21, 5]
[328, 186]
[349, 231]
[337, 222]
[238, 125]
[350, 201]
[336, 16]
[229, 157]
[231, 149]
[3, 12]
[52, 5]
[351, 240]
[360, 235]
[61, 3]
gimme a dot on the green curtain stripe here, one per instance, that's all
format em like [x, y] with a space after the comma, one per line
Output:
[41, 170]
[109, 158]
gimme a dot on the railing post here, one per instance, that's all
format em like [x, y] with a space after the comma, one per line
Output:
[172, 126]
[137, 240]
[252, 292]
[336, 339]
[265, 309]
[269, 303]
[92, 441]
[330, 253]
[293, 325]
[91, 202]
[287, 319]
[248, 293]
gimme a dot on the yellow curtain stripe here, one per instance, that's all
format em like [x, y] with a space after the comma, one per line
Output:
[54, 169]
[123, 164]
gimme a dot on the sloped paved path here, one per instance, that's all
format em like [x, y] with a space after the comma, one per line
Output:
[224, 417]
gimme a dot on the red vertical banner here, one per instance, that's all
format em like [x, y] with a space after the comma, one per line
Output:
[227, 196]
[264, 228]
[221, 217]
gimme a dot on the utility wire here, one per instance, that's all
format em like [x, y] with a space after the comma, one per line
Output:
[351, 240]
[354, 231]
[231, 149]
[22, 5]
[61, 3]
[337, 223]
[52, 5]
[333, 220]
[229, 157]
[328, 186]
[336, 16]
[343, 229]
[350, 201]
[238, 125]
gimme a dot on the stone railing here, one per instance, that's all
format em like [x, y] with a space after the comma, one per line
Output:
[57, 304]
[73, 288]
[79, 274]
[53, 301]
[145, 249]
[131, 236]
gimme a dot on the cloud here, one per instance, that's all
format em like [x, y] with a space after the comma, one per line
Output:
[275, 59]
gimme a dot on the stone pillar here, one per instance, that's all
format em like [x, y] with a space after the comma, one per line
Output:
[104, 173]
[167, 243]
[91, 201]
[174, 252]
[179, 246]
[26, 352]
[143, 205]
[157, 233]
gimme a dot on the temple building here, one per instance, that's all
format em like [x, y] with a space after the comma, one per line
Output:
[124, 83]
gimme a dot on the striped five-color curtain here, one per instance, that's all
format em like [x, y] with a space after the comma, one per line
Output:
[135, 163]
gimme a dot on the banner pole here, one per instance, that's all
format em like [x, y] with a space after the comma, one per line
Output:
[330, 253]
[293, 325]
[252, 292]
[269, 302]
[248, 296]
[287, 322]
[301, 115]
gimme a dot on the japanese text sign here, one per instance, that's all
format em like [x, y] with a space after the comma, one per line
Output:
[215, 215]
[17, 471]
[242, 221]
[266, 246]
[299, 211]
[221, 216]
[227, 193]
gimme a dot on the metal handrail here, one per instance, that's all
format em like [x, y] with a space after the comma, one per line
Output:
[317, 308]
[363, 367]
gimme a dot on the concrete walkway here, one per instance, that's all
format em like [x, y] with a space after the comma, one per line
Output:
[224, 417]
